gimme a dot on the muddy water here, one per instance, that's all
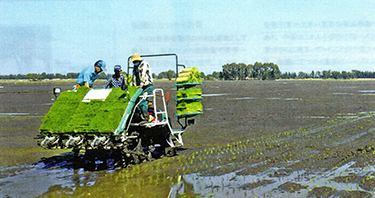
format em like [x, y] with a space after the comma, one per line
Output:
[34, 180]
[263, 139]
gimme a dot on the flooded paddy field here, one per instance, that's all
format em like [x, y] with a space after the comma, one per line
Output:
[255, 139]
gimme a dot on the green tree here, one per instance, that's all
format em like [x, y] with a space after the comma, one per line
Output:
[318, 74]
[336, 75]
[31, 76]
[166, 75]
[72, 75]
[326, 74]
[202, 75]
[241, 71]
[58, 75]
[216, 75]
[257, 70]
[170, 74]
[228, 72]
[302, 75]
[272, 71]
[312, 74]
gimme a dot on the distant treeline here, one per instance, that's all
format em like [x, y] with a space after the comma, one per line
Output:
[271, 71]
[34, 76]
[259, 71]
[325, 74]
[232, 71]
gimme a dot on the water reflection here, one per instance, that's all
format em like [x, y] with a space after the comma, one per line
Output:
[65, 172]
[267, 184]
[14, 114]
[61, 175]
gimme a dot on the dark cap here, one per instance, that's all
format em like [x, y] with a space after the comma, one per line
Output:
[118, 68]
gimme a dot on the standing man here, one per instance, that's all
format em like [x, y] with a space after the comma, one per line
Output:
[142, 78]
[116, 80]
[90, 74]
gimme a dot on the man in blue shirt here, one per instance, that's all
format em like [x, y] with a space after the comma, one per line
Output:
[90, 74]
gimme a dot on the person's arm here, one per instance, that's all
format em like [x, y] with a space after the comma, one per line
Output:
[86, 76]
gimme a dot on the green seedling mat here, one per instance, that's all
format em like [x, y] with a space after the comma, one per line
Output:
[188, 114]
[70, 115]
[189, 93]
[187, 99]
[189, 107]
[192, 76]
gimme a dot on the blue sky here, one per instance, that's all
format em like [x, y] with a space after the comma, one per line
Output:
[65, 36]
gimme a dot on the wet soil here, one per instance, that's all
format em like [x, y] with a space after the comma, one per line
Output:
[255, 139]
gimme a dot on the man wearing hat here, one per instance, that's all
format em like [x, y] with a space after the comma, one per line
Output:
[90, 74]
[142, 77]
[116, 80]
